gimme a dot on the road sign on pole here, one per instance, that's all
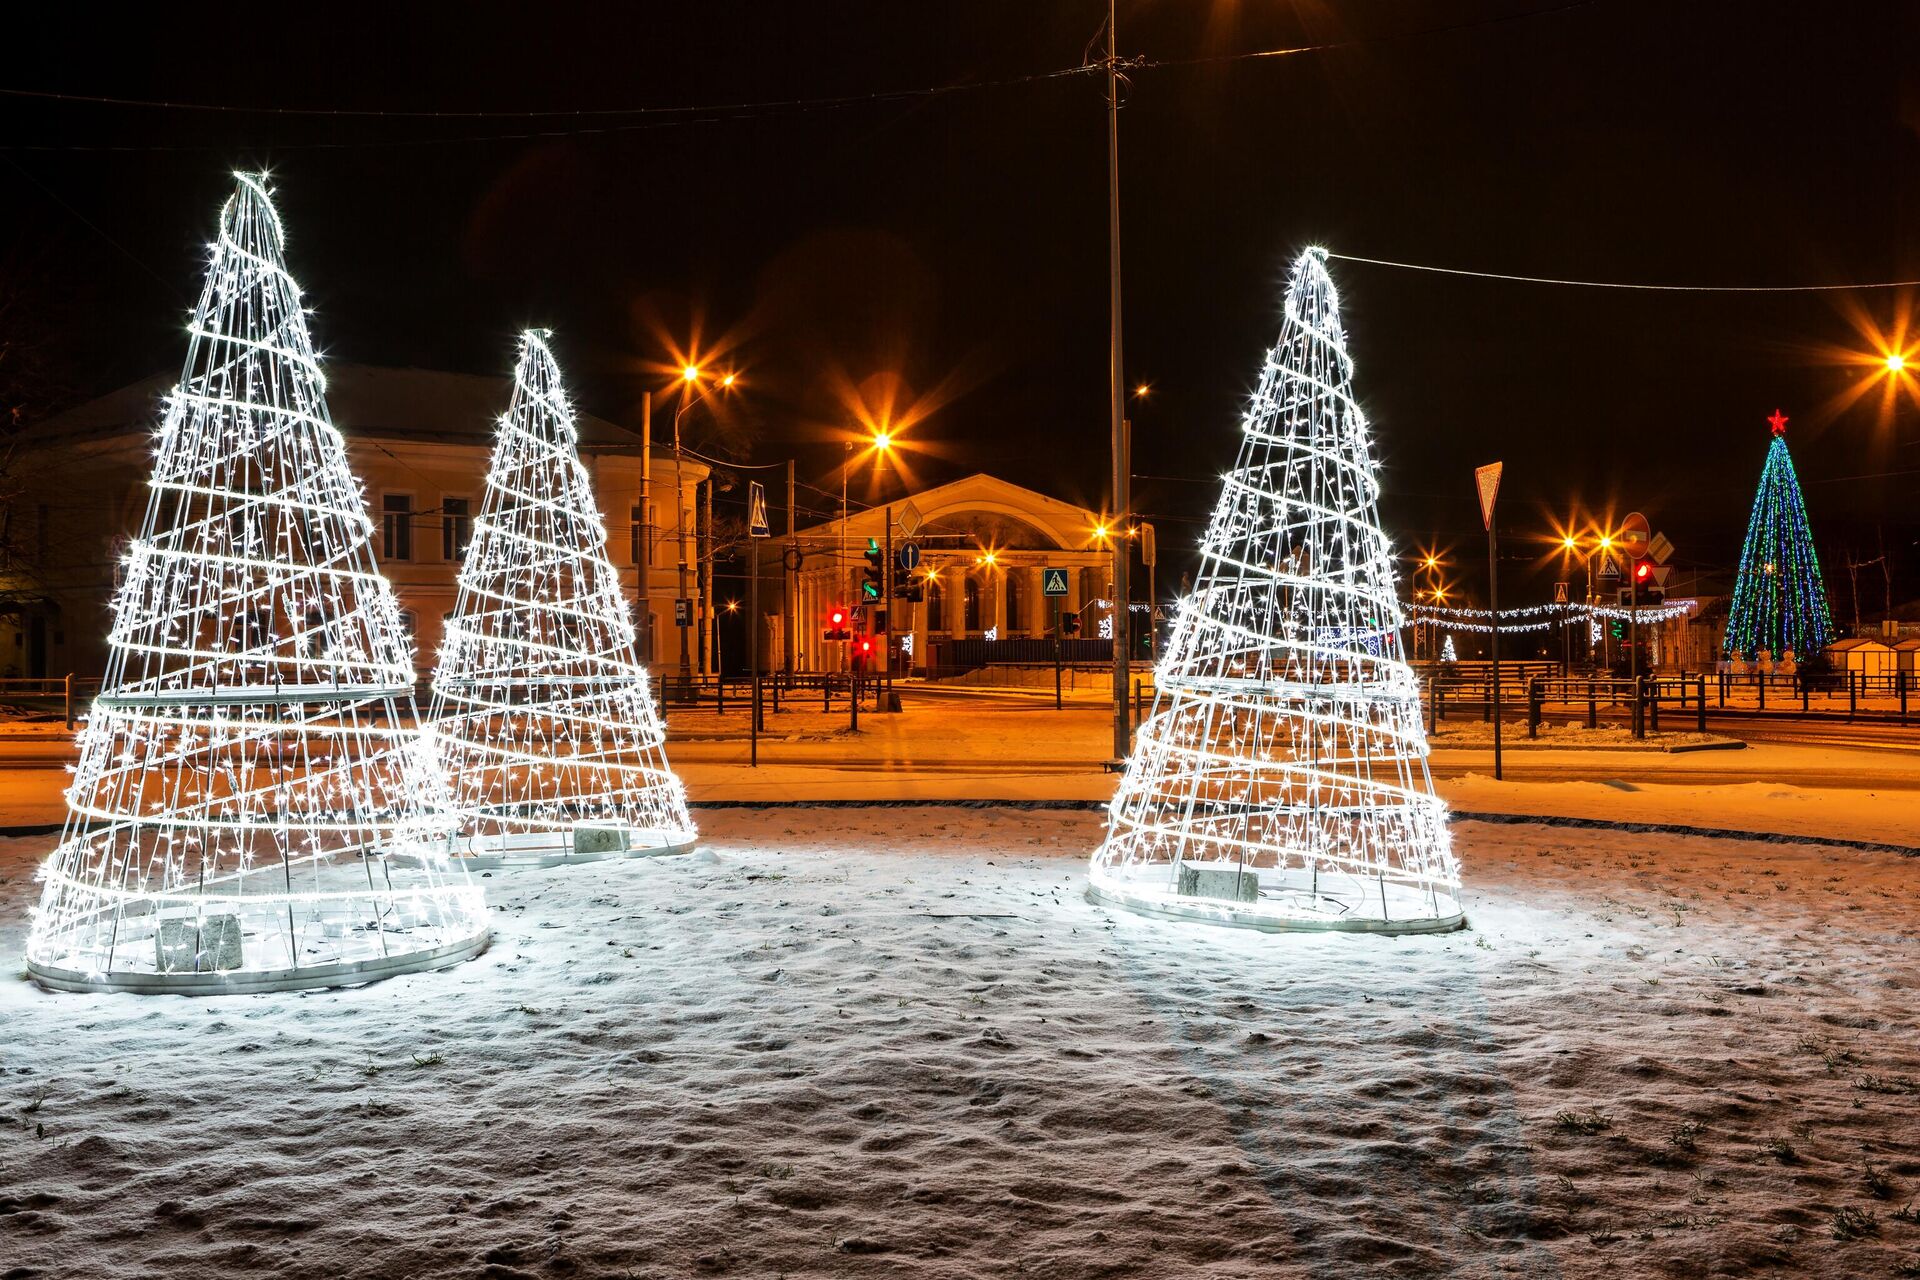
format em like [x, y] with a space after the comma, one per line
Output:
[909, 556]
[1053, 582]
[1635, 536]
[757, 510]
[1559, 593]
[1487, 480]
[1660, 550]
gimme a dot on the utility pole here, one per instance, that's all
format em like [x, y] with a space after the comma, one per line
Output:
[645, 585]
[680, 512]
[846, 570]
[793, 586]
[886, 602]
[1116, 397]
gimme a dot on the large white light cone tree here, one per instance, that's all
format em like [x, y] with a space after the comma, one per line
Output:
[543, 718]
[252, 761]
[1281, 781]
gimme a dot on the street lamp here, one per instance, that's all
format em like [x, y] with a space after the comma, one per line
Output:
[880, 441]
[689, 379]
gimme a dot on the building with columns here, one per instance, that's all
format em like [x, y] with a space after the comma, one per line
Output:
[419, 441]
[983, 545]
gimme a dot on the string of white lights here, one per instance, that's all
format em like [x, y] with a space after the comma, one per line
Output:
[251, 763]
[1281, 781]
[1549, 616]
[543, 717]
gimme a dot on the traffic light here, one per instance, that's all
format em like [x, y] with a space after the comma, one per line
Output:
[862, 648]
[1616, 629]
[875, 572]
[1644, 584]
[1069, 624]
[905, 588]
[836, 625]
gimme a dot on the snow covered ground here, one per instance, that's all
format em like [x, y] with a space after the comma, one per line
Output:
[900, 1043]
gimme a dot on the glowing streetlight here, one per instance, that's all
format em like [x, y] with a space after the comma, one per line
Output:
[1895, 362]
[690, 374]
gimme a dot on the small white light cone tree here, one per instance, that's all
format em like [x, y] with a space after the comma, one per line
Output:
[1281, 781]
[543, 718]
[252, 762]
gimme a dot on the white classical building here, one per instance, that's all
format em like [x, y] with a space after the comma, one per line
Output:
[983, 546]
[419, 441]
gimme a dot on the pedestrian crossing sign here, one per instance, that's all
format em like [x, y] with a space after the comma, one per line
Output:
[1053, 581]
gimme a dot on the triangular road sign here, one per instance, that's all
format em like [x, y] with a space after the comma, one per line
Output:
[1487, 478]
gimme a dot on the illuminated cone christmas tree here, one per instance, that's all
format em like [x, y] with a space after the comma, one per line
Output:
[252, 759]
[1281, 781]
[543, 718]
[1779, 599]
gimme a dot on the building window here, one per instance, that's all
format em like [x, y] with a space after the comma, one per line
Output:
[1016, 589]
[397, 526]
[936, 606]
[970, 612]
[407, 623]
[456, 527]
[636, 549]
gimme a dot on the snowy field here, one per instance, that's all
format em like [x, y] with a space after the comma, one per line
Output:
[900, 1043]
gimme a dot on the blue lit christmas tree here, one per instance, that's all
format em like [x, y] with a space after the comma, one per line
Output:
[1779, 599]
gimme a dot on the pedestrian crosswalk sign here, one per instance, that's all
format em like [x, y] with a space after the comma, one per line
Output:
[1053, 581]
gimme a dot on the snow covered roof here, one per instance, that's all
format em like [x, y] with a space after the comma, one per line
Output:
[367, 401]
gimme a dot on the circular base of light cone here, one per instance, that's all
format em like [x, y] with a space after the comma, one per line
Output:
[239, 982]
[1285, 910]
[532, 850]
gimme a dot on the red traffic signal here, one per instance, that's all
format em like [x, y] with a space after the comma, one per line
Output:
[864, 645]
[836, 625]
[1643, 571]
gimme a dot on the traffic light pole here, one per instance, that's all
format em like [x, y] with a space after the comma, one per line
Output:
[1056, 653]
[1633, 646]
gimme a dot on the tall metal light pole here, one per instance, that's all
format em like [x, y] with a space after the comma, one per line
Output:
[644, 570]
[1116, 398]
[688, 376]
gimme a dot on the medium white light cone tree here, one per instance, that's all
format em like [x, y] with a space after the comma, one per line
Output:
[1281, 781]
[543, 718]
[252, 760]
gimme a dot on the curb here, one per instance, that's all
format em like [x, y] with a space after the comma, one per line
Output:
[1092, 806]
[1680, 829]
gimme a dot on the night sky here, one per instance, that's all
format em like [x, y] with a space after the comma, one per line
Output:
[943, 257]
